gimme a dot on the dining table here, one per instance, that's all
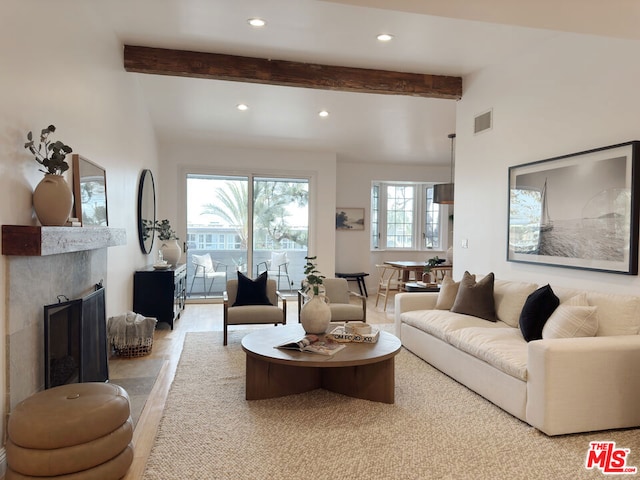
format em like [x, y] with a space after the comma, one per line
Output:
[408, 266]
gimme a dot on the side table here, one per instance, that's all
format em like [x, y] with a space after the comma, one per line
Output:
[358, 277]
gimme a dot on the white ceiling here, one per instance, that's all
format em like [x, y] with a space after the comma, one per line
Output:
[361, 127]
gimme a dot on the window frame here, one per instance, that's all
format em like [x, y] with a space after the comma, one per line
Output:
[419, 225]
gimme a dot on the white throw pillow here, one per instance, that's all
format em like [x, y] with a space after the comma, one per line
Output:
[572, 319]
[579, 300]
[278, 259]
[203, 261]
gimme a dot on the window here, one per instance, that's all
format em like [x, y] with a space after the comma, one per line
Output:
[239, 220]
[403, 216]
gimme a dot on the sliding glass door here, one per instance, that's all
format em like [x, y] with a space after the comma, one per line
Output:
[248, 224]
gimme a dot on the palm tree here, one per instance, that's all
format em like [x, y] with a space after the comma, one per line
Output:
[269, 209]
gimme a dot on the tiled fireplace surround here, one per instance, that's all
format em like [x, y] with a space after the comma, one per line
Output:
[32, 283]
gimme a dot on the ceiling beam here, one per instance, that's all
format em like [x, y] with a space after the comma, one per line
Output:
[218, 66]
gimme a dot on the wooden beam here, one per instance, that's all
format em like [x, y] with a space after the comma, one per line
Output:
[218, 66]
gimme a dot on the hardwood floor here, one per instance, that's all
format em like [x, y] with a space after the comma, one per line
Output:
[167, 345]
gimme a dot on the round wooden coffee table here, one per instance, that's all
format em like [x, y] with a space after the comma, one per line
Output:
[361, 370]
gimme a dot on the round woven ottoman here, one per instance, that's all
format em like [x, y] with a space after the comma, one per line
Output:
[75, 431]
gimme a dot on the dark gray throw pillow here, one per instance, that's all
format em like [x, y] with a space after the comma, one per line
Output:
[252, 292]
[536, 311]
[476, 298]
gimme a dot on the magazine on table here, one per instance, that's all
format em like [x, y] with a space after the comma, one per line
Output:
[312, 344]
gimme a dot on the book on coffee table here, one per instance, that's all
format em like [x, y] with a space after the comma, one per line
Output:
[340, 334]
[312, 344]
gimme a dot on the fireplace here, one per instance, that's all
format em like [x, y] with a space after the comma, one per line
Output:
[75, 341]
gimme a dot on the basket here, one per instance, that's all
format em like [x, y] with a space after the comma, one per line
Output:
[134, 351]
[131, 335]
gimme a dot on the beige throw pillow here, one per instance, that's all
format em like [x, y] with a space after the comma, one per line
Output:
[573, 318]
[476, 298]
[448, 293]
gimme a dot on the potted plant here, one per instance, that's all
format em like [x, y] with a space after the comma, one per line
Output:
[315, 314]
[51, 155]
[52, 197]
[165, 232]
[313, 278]
[432, 262]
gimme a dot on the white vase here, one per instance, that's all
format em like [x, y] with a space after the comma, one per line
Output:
[171, 251]
[315, 315]
[52, 200]
[449, 256]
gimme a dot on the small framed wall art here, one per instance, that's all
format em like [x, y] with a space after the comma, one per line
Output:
[349, 218]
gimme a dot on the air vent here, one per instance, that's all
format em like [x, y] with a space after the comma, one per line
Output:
[483, 122]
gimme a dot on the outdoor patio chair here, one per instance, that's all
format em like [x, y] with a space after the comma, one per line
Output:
[277, 266]
[207, 268]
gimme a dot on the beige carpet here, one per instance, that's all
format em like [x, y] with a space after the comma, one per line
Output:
[437, 429]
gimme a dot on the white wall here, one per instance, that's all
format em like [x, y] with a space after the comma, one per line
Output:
[571, 94]
[60, 66]
[353, 250]
[178, 159]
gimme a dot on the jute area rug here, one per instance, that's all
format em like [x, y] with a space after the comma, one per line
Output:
[437, 429]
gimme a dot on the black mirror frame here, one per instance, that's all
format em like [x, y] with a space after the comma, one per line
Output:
[146, 182]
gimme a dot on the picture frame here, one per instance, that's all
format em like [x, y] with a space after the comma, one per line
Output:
[89, 193]
[351, 219]
[577, 211]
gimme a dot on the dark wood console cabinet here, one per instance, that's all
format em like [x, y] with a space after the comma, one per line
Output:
[160, 293]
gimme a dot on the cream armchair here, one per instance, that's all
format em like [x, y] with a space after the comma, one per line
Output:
[252, 314]
[342, 310]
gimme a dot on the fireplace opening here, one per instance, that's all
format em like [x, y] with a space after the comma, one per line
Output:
[75, 343]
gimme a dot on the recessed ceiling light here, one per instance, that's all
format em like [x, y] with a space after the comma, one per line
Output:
[323, 113]
[256, 22]
[385, 37]
[242, 107]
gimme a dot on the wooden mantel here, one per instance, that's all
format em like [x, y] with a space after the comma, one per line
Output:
[28, 240]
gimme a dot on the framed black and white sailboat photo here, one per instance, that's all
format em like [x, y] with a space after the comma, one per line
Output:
[577, 211]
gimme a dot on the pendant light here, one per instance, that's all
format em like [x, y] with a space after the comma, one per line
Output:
[443, 192]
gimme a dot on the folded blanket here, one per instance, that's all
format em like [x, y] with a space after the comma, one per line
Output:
[130, 330]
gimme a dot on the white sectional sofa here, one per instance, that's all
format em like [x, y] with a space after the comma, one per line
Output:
[557, 385]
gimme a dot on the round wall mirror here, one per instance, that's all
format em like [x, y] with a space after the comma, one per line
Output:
[146, 210]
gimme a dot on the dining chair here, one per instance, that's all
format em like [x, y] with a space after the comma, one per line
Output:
[386, 275]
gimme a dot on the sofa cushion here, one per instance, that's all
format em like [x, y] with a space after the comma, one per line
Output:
[536, 311]
[441, 323]
[252, 292]
[618, 314]
[476, 298]
[509, 298]
[503, 348]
